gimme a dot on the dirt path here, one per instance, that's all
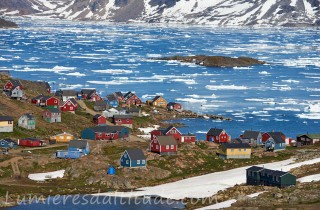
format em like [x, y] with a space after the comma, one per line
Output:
[15, 168]
[6, 163]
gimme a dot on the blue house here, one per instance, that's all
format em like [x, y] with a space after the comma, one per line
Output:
[76, 149]
[112, 100]
[254, 138]
[275, 142]
[8, 144]
[111, 170]
[133, 158]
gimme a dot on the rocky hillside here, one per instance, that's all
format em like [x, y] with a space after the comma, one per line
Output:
[218, 12]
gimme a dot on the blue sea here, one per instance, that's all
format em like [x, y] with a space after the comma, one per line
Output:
[282, 95]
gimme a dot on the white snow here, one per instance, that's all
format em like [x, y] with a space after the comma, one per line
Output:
[47, 175]
[315, 177]
[225, 87]
[206, 185]
[226, 204]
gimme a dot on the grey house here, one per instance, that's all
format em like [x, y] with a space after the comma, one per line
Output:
[27, 121]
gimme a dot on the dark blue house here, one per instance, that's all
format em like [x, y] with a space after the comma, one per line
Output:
[112, 100]
[8, 144]
[133, 158]
[76, 149]
[275, 142]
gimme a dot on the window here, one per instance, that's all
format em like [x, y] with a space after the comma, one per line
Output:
[69, 103]
[239, 150]
[138, 161]
[9, 122]
[157, 147]
[244, 149]
[125, 155]
[167, 146]
[99, 134]
[2, 143]
[55, 101]
[231, 150]
[127, 161]
[143, 161]
[172, 146]
[71, 108]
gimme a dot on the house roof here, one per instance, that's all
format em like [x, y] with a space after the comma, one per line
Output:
[29, 116]
[166, 130]
[81, 144]
[311, 135]
[122, 116]
[97, 116]
[236, 145]
[172, 103]
[38, 97]
[54, 110]
[255, 168]
[69, 93]
[15, 83]
[87, 91]
[250, 134]
[155, 98]
[111, 98]
[214, 131]
[136, 154]
[277, 137]
[118, 94]
[166, 140]
[9, 140]
[107, 129]
[100, 103]
[6, 118]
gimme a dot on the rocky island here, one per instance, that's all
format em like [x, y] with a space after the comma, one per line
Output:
[215, 61]
[7, 24]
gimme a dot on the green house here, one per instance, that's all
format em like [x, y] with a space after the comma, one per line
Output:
[261, 176]
[27, 121]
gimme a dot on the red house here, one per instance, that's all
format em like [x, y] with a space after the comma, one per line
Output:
[12, 84]
[31, 142]
[187, 138]
[124, 120]
[49, 101]
[101, 133]
[70, 105]
[99, 119]
[132, 99]
[267, 135]
[36, 100]
[169, 131]
[218, 135]
[164, 145]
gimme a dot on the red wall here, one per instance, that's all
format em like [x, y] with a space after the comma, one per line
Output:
[104, 136]
[53, 101]
[222, 138]
[123, 121]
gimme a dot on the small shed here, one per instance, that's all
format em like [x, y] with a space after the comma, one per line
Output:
[111, 170]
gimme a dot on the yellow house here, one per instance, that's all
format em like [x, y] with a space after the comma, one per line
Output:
[6, 124]
[158, 101]
[235, 151]
[62, 138]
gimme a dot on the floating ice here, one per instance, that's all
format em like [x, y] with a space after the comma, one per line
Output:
[225, 87]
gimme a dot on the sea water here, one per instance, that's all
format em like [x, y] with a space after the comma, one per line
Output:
[282, 95]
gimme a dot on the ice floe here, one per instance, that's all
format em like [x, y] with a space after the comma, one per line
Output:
[47, 175]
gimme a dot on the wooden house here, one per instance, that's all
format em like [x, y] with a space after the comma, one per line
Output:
[76, 149]
[169, 131]
[27, 121]
[86, 92]
[267, 135]
[275, 142]
[68, 94]
[6, 124]
[94, 96]
[52, 115]
[100, 106]
[31, 142]
[62, 138]
[99, 119]
[123, 120]
[70, 105]
[112, 100]
[49, 102]
[8, 143]
[173, 106]
[131, 98]
[119, 96]
[158, 101]
[133, 158]
[308, 139]
[188, 138]
[254, 138]
[15, 93]
[36, 100]
[10, 85]
[110, 112]
[261, 176]
[164, 145]
[134, 112]
[218, 136]
[105, 133]
[235, 151]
